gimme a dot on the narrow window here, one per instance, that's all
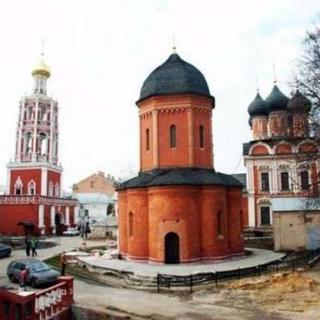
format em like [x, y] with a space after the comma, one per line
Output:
[265, 181]
[130, 224]
[220, 228]
[147, 140]
[57, 190]
[265, 215]
[30, 111]
[304, 176]
[284, 181]
[43, 144]
[18, 186]
[28, 143]
[31, 188]
[201, 136]
[173, 137]
[50, 189]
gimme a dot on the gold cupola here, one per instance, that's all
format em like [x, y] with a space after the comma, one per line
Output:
[42, 68]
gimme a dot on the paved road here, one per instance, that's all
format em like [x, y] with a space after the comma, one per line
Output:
[141, 303]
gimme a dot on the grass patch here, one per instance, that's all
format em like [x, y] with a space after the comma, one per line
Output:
[54, 261]
[74, 270]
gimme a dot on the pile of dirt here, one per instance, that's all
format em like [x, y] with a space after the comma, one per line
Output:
[292, 292]
[281, 282]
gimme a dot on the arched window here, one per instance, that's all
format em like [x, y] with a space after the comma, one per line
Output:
[265, 216]
[220, 224]
[18, 187]
[43, 114]
[304, 179]
[110, 210]
[173, 136]
[147, 140]
[31, 188]
[130, 226]
[201, 136]
[43, 144]
[30, 112]
[57, 190]
[28, 143]
[50, 191]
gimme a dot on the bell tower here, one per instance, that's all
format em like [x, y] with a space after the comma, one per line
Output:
[36, 152]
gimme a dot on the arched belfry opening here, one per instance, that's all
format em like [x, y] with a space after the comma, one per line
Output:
[172, 248]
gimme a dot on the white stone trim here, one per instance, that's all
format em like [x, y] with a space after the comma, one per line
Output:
[34, 151]
[41, 216]
[52, 215]
[50, 189]
[270, 150]
[307, 141]
[44, 181]
[76, 214]
[38, 165]
[57, 190]
[67, 216]
[251, 211]
[8, 181]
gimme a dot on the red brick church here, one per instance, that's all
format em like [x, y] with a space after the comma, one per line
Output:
[33, 202]
[178, 209]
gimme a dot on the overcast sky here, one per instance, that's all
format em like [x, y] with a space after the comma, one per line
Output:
[100, 52]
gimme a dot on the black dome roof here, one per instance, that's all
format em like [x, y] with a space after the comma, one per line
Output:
[299, 103]
[175, 76]
[258, 106]
[276, 100]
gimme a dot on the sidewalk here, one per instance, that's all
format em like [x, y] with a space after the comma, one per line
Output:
[259, 256]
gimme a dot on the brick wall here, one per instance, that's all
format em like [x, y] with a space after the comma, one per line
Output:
[190, 212]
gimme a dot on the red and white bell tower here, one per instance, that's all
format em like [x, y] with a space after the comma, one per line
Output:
[35, 170]
[33, 196]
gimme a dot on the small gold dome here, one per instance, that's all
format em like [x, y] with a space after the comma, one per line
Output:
[42, 69]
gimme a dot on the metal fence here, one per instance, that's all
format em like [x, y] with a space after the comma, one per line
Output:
[168, 281]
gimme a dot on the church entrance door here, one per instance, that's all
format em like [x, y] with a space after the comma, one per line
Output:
[172, 249]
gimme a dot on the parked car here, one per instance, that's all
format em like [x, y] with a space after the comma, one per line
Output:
[39, 273]
[71, 232]
[5, 251]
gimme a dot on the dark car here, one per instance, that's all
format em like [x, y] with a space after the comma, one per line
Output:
[5, 251]
[39, 273]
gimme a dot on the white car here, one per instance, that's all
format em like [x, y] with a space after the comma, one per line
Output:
[71, 232]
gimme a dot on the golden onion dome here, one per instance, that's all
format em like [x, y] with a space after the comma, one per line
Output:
[42, 69]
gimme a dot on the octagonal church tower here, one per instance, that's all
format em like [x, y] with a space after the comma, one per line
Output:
[178, 209]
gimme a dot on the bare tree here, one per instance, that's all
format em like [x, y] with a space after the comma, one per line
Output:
[309, 84]
[309, 75]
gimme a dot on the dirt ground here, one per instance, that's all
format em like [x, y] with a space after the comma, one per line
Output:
[278, 296]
